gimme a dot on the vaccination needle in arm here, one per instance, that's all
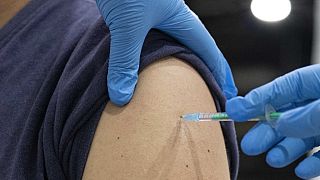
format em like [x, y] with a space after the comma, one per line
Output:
[270, 116]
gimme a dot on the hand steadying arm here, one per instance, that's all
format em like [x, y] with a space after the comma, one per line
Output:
[129, 22]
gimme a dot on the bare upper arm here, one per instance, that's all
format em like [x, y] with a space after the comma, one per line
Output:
[147, 140]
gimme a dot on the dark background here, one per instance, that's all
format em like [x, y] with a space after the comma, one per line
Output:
[258, 52]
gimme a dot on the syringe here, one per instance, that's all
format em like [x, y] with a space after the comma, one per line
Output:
[271, 116]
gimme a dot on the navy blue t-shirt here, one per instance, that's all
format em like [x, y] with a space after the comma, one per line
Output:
[53, 67]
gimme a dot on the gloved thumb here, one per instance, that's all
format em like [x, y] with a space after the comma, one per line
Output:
[253, 104]
[301, 122]
[243, 108]
[125, 49]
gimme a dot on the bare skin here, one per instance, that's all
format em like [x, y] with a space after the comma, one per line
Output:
[9, 8]
[146, 139]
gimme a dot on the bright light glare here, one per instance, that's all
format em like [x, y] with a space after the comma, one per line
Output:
[271, 10]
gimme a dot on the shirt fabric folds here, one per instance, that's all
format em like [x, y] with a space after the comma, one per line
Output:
[53, 67]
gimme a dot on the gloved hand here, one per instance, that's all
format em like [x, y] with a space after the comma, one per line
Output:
[129, 22]
[298, 130]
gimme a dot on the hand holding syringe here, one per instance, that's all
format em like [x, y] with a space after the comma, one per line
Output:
[297, 130]
[271, 116]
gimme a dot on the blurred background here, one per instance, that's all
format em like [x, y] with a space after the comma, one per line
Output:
[258, 52]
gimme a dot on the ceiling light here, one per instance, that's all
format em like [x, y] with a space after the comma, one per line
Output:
[271, 10]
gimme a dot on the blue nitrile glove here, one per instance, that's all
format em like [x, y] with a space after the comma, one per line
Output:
[129, 22]
[297, 94]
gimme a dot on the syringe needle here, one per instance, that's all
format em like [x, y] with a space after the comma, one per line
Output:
[270, 116]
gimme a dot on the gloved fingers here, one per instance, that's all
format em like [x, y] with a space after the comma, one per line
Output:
[187, 28]
[128, 29]
[302, 84]
[288, 150]
[301, 122]
[293, 105]
[309, 167]
[125, 49]
[259, 139]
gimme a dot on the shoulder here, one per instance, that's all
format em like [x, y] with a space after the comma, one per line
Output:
[146, 139]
